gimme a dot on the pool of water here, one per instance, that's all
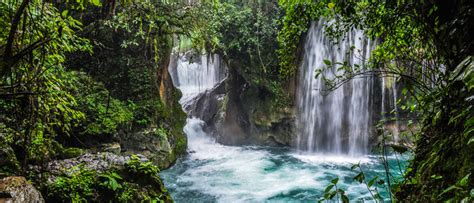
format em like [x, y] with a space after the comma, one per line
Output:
[216, 173]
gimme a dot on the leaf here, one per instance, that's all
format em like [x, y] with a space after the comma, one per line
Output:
[463, 70]
[331, 5]
[470, 141]
[318, 73]
[327, 62]
[64, 13]
[371, 182]
[449, 189]
[116, 176]
[404, 91]
[436, 177]
[344, 198]
[95, 2]
[335, 180]
[381, 182]
[399, 148]
[464, 181]
[354, 166]
[328, 188]
[359, 177]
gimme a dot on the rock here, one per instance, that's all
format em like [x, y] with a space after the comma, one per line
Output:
[112, 147]
[207, 105]
[98, 162]
[8, 161]
[20, 191]
[71, 152]
[151, 144]
[237, 113]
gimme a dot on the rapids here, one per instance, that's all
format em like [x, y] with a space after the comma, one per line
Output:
[212, 172]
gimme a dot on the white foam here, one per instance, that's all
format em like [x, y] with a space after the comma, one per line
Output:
[318, 158]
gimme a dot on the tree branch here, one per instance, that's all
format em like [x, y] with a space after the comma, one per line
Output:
[11, 37]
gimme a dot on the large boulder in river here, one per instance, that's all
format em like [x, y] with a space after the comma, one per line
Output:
[208, 106]
[252, 116]
[237, 113]
[17, 189]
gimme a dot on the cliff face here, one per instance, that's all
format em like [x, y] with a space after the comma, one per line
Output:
[164, 142]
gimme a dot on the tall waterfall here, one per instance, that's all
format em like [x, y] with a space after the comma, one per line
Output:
[340, 121]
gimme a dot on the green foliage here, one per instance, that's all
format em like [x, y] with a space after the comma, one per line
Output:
[110, 180]
[161, 133]
[119, 54]
[104, 114]
[76, 187]
[135, 165]
[332, 191]
[297, 17]
[35, 103]
[138, 181]
[131, 54]
[372, 185]
[245, 35]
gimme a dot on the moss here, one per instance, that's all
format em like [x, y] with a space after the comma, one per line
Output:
[71, 152]
[265, 107]
[9, 164]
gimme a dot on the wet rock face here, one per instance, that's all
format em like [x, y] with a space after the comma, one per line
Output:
[151, 144]
[237, 114]
[16, 189]
[206, 105]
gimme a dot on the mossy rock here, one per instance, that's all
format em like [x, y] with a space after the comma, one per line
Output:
[9, 165]
[72, 152]
[19, 190]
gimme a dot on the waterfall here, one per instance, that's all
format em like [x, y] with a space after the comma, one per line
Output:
[390, 112]
[193, 74]
[336, 122]
[212, 172]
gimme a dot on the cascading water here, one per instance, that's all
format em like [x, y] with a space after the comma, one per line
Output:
[339, 121]
[212, 172]
[194, 74]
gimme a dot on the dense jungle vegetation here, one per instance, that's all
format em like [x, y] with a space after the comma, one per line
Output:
[77, 75]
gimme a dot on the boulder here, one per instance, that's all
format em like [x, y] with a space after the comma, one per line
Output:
[237, 113]
[16, 189]
[98, 162]
[113, 147]
[71, 152]
[8, 161]
[151, 144]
